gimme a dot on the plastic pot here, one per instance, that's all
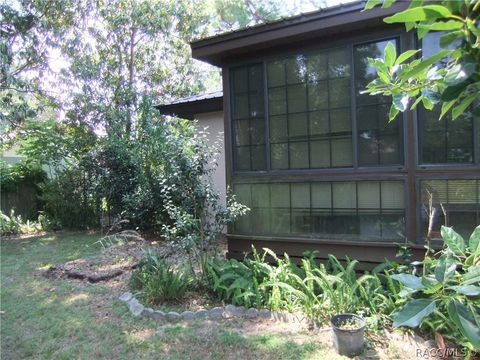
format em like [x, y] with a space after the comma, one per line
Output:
[348, 341]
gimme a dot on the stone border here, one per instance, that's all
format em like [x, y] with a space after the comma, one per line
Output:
[216, 313]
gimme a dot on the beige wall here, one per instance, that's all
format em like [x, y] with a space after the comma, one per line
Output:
[214, 122]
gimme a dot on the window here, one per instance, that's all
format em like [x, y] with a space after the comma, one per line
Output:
[346, 210]
[309, 111]
[449, 202]
[443, 141]
[379, 140]
[248, 118]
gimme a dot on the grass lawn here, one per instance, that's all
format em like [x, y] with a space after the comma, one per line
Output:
[62, 319]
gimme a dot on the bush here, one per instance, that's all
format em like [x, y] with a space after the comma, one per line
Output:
[14, 224]
[319, 291]
[445, 298]
[158, 281]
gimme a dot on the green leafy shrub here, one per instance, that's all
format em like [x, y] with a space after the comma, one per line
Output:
[14, 224]
[446, 298]
[318, 290]
[158, 282]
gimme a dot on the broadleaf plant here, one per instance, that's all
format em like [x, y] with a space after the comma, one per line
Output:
[446, 298]
[450, 77]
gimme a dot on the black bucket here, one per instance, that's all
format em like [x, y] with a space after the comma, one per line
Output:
[348, 342]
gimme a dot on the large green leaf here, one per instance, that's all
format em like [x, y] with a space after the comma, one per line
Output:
[413, 313]
[459, 73]
[425, 64]
[469, 290]
[390, 54]
[472, 276]
[405, 56]
[465, 322]
[453, 240]
[409, 281]
[428, 12]
[445, 268]
[474, 241]
[371, 4]
[464, 104]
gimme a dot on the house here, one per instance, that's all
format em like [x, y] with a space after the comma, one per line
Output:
[317, 162]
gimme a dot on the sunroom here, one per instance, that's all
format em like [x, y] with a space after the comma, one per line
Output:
[317, 161]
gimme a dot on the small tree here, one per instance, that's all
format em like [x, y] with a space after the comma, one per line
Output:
[451, 77]
[191, 199]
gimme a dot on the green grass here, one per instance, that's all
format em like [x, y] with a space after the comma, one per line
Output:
[59, 319]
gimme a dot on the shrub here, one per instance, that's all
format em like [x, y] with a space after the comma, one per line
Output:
[445, 299]
[14, 224]
[157, 281]
[318, 290]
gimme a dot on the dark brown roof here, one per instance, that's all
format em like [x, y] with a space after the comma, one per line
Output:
[188, 107]
[226, 47]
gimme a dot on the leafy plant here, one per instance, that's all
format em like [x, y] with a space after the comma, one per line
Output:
[446, 298]
[456, 84]
[157, 281]
[14, 224]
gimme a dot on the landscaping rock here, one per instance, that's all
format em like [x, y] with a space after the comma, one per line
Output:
[158, 314]
[230, 311]
[240, 311]
[188, 316]
[216, 313]
[173, 316]
[148, 311]
[135, 307]
[201, 314]
[126, 296]
[251, 313]
[265, 314]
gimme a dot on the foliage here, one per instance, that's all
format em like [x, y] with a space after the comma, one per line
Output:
[14, 224]
[191, 200]
[445, 298]
[70, 200]
[451, 77]
[318, 290]
[158, 281]
[23, 172]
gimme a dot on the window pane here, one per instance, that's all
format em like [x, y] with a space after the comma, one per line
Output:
[393, 196]
[453, 203]
[279, 156]
[278, 128]
[317, 67]
[277, 102]
[298, 126]
[276, 73]
[240, 80]
[297, 98]
[300, 196]
[280, 221]
[338, 63]
[260, 195]
[255, 79]
[280, 195]
[298, 155]
[369, 195]
[341, 152]
[243, 195]
[344, 196]
[319, 123]
[318, 96]
[241, 106]
[257, 128]
[242, 158]
[296, 70]
[339, 92]
[256, 105]
[242, 132]
[321, 196]
[340, 121]
[258, 158]
[320, 154]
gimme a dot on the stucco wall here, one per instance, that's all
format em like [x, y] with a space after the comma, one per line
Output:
[214, 122]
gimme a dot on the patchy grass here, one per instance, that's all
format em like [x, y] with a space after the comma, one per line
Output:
[65, 319]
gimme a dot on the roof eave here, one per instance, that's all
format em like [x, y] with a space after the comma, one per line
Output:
[188, 110]
[217, 50]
